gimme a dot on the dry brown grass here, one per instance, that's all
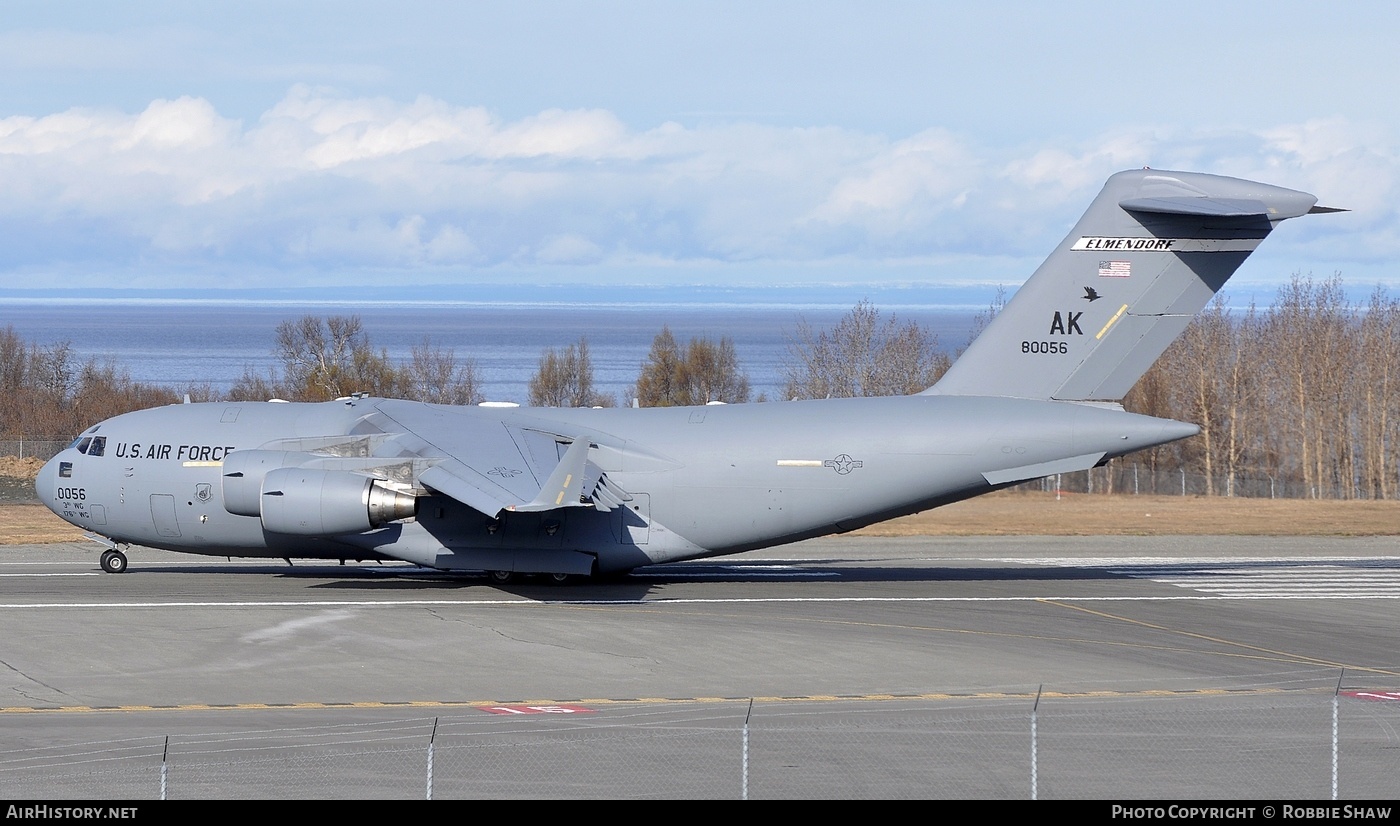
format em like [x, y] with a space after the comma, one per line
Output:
[26, 468]
[1127, 515]
[1011, 514]
[26, 523]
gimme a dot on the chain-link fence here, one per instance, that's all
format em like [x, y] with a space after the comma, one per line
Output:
[1298, 745]
[39, 447]
[1131, 478]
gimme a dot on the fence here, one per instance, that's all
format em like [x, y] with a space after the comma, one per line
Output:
[1295, 745]
[38, 447]
[1133, 478]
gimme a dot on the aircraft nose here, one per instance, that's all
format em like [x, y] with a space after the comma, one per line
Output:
[46, 481]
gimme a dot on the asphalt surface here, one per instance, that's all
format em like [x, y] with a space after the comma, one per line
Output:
[830, 632]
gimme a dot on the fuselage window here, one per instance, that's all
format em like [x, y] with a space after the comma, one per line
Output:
[98, 446]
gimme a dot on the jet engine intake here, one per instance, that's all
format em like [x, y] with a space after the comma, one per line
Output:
[328, 502]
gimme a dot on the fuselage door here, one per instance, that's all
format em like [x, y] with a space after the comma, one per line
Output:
[163, 513]
[633, 523]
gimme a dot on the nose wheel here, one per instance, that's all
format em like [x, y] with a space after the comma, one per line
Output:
[113, 562]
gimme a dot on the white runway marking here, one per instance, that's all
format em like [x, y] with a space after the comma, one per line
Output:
[1201, 579]
[1260, 578]
[655, 603]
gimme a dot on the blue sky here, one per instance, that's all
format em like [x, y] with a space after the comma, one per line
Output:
[257, 145]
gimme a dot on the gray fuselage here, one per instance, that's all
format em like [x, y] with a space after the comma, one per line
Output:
[701, 481]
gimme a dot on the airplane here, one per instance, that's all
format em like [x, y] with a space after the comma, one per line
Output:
[569, 493]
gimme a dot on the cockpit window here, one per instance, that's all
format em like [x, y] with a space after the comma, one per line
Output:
[75, 442]
[98, 446]
[83, 444]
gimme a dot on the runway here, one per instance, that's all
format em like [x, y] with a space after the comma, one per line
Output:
[182, 643]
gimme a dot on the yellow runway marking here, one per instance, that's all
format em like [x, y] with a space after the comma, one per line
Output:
[1264, 653]
[649, 701]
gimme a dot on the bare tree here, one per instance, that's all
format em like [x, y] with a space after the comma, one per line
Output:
[1308, 328]
[659, 384]
[46, 390]
[1202, 376]
[1377, 381]
[106, 389]
[565, 379]
[706, 371]
[329, 358]
[323, 359]
[863, 355]
[712, 374]
[251, 387]
[437, 376]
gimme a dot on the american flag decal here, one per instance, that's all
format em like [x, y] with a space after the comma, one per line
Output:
[1115, 269]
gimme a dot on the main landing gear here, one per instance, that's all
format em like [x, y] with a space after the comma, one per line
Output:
[113, 562]
[508, 577]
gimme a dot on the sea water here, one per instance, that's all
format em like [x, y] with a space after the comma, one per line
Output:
[182, 343]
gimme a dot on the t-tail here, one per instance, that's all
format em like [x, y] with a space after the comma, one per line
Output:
[1148, 255]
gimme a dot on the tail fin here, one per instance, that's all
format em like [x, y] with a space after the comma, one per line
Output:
[1147, 256]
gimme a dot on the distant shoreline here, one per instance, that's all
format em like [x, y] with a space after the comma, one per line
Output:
[924, 298]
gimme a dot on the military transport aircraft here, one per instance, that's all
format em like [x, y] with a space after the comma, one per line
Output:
[588, 492]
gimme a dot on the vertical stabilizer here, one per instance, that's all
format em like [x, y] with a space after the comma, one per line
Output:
[1149, 253]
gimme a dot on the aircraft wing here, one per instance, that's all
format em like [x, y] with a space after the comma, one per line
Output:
[493, 466]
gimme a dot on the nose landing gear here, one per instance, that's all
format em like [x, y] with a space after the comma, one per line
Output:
[113, 561]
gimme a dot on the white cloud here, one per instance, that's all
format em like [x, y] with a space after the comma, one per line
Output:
[931, 168]
[345, 185]
[568, 249]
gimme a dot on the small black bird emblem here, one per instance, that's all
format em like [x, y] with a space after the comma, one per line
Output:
[1091, 294]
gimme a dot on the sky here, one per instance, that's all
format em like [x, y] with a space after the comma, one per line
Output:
[361, 146]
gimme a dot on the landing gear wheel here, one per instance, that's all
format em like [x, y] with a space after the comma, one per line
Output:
[501, 577]
[559, 579]
[113, 562]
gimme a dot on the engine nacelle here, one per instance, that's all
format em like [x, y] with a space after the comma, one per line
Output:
[243, 474]
[327, 502]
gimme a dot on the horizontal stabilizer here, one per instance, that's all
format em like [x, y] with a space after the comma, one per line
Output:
[1036, 471]
[1217, 207]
